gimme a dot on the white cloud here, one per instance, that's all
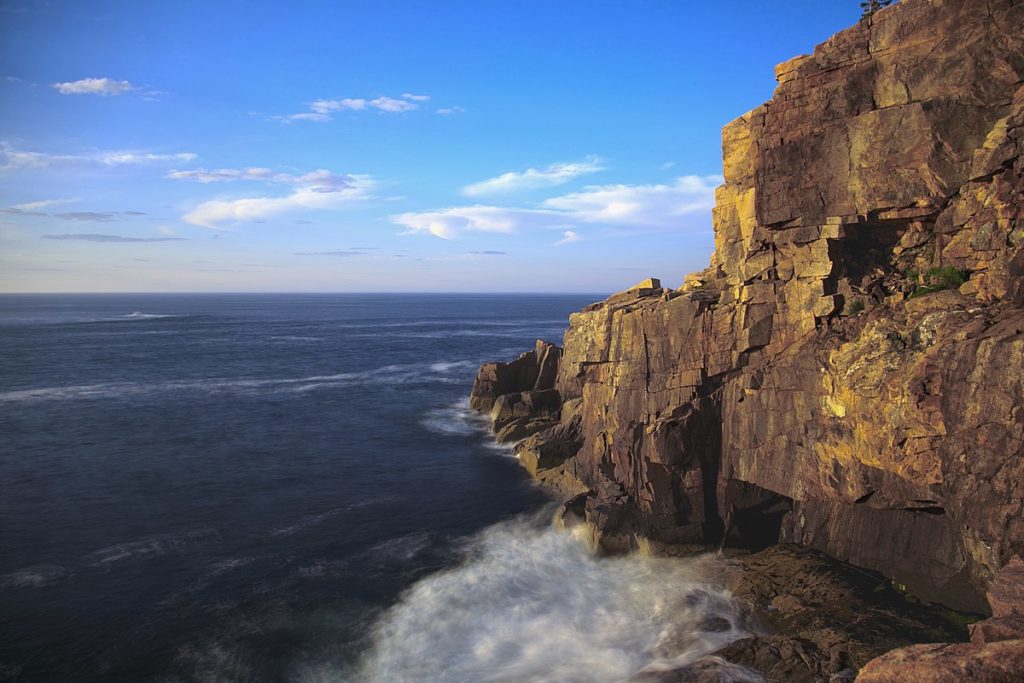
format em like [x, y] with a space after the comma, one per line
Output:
[313, 191]
[124, 158]
[667, 165]
[448, 111]
[532, 178]
[304, 116]
[94, 86]
[34, 208]
[320, 110]
[676, 206]
[320, 180]
[221, 175]
[659, 206]
[568, 237]
[42, 204]
[450, 223]
[12, 159]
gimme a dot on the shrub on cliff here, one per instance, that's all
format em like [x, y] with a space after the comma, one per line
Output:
[938, 279]
[869, 7]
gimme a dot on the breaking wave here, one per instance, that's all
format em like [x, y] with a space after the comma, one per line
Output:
[139, 315]
[454, 420]
[532, 604]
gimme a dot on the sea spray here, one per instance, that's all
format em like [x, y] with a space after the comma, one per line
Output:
[531, 603]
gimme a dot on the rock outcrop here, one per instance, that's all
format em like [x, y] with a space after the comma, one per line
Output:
[994, 655]
[848, 373]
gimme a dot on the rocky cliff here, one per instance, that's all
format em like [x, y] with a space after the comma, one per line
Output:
[848, 373]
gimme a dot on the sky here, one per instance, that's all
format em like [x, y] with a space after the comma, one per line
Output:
[386, 146]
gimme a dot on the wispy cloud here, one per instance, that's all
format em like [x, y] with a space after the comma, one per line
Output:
[488, 252]
[660, 205]
[312, 191]
[96, 237]
[322, 110]
[568, 237]
[33, 208]
[676, 205]
[94, 86]
[533, 178]
[89, 216]
[96, 216]
[12, 159]
[448, 111]
[336, 252]
[124, 158]
[320, 179]
[451, 222]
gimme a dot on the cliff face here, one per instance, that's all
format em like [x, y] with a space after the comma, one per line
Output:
[810, 386]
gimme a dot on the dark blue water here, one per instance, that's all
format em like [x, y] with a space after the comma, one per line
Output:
[237, 487]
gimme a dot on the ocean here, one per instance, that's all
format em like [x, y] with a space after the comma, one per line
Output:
[290, 488]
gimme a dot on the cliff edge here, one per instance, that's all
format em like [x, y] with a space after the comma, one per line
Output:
[848, 374]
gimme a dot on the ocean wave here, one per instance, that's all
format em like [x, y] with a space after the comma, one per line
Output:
[398, 551]
[306, 522]
[501, 333]
[154, 546]
[532, 604]
[36, 576]
[454, 420]
[139, 315]
[459, 323]
[504, 449]
[295, 338]
[319, 517]
[445, 372]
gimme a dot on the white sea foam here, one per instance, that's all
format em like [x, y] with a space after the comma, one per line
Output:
[505, 449]
[521, 332]
[154, 546]
[139, 315]
[399, 550]
[442, 372]
[36, 576]
[306, 522]
[532, 604]
[454, 420]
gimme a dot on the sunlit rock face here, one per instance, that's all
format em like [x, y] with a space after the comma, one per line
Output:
[848, 374]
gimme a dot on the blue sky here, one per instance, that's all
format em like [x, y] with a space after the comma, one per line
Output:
[385, 146]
